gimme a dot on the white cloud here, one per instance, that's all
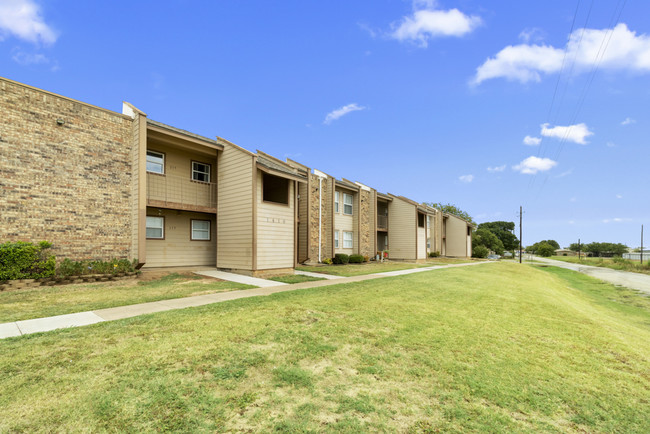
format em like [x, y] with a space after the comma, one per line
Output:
[573, 199]
[532, 165]
[573, 133]
[427, 23]
[563, 174]
[23, 58]
[22, 19]
[496, 168]
[340, 112]
[532, 141]
[610, 144]
[524, 63]
[466, 178]
[628, 121]
[617, 220]
[529, 34]
[619, 196]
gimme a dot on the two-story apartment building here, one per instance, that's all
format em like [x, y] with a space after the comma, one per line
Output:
[101, 184]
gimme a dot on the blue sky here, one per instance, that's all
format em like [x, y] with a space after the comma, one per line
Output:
[485, 104]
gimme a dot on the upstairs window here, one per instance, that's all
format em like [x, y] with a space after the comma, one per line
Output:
[421, 220]
[155, 228]
[347, 204]
[275, 189]
[201, 171]
[156, 162]
[336, 201]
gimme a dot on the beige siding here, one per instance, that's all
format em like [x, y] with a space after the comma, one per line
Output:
[275, 231]
[235, 209]
[345, 223]
[177, 250]
[456, 237]
[422, 243]
[401, 230]
[176, 185]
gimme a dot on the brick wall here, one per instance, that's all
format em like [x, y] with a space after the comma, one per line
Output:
[69, 184]
[365, 219]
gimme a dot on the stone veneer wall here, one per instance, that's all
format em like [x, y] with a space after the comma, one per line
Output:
[69, 184]
[365, 220]
[326, 212]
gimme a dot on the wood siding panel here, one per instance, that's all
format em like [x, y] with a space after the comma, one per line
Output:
[456, 237]
[303, 226]
[235, 208]
[275, 231]
[177, 250]
[401, 230]
[422, 243]
[346, 223]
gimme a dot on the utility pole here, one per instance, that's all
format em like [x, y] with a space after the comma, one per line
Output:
[578, 249]
[641, 244]
[520, 219]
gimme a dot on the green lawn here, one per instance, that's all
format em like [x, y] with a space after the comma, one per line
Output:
[613, 263]
[376, 267]
[500, 348]
[295, 278]
[58, 300]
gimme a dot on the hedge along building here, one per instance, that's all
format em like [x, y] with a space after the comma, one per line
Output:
[101, 185]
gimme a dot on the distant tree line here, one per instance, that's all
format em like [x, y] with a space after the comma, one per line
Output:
[605, 250]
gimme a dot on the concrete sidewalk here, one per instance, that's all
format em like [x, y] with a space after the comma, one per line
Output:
[638, 281]
[239, 278]
[25, 327]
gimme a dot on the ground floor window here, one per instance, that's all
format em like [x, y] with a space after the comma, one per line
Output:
[155, 228]
[200, 230]
[347, 240]
[336, 239]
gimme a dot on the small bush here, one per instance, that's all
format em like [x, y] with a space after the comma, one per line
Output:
[434, 254]
[327, 261]
[341, 259]
[356, 259]
[480, 252]
[366, 258]
[546, 250]
[78, 268]
[23, 260]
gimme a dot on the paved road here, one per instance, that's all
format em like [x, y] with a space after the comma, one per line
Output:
[624, 278]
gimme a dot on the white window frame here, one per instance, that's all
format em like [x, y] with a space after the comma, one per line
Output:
[157, 155]
[150, 225]
[336, 201]
[194, 231]
[348, 243]
[196, 171]
[346, 204]
[336, 239]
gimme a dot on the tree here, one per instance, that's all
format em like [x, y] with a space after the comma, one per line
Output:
[484, 237]
[504, 232]
[451, 209]
[575, 247]
[606, 249]
[480, 252]
[535, 247]
[545, 249]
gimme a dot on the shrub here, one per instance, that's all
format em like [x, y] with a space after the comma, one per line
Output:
[78, 268]
[327, 261]
[366, 258]
[341, 259]
[434, 254]
[480, 252]
[356, 259]
[23, 260]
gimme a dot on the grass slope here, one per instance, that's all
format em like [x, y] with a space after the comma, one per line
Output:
[59, 300]
[377, 267]
[500, 347]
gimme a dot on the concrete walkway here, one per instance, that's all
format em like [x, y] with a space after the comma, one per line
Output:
[239, 278]
[628, 279]
[321, 275]
[25, 327]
